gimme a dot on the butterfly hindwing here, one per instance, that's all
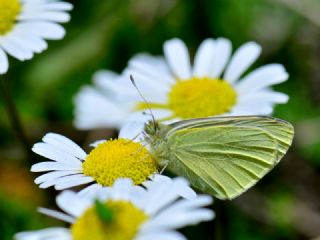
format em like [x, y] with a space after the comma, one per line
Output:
[226, 156]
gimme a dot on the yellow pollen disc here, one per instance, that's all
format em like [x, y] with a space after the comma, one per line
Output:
[126, 220]
[201, 97]
[119, 158]
[9, 10]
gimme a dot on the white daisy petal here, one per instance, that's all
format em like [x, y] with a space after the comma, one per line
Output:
[155, 68]
[96, 143]
[105, 112]
[14, 48]
[252, 108]
[122, 189]
[262, 77]
[159, 178]
[47, 184]
[178, 220]
[221, 57]
[154, 179]
[56, 154]
[90, 190]
[70, 178]
[46, 16]
[57, 215]
[204, 58]
[110, 83]
[133, 130]
[241, 61]
[65, 144]
[25, 43]
[146, 86]
[46, 30]
[161, 235]
[53, 175]
[58, 6]
[185, 191]
[185, 213]
[53, 166]
[163, 194]
[75, 179]
[78, 206]
[45, 234]
[73, 182]
[32, 42]
[264, 96]
[178, 58]
[4, 64]
[182, 205]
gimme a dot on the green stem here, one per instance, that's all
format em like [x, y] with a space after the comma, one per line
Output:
[14, 117]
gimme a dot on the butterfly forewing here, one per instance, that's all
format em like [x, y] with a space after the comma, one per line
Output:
[278, 129]
[226, 156]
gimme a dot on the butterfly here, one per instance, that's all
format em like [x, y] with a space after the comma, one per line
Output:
[221, 156]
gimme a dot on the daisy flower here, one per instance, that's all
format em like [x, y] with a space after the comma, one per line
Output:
[25, 24]
[69, 165]
[125, 211]
[216, 84]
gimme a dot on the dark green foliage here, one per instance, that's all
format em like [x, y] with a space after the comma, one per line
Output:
[16, 216]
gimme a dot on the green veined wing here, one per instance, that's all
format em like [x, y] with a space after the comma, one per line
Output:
[224, 156]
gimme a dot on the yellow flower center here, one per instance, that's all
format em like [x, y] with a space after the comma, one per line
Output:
[119, 158]
[201, 97]
[196, 98]
[124, 225]
[9, 10]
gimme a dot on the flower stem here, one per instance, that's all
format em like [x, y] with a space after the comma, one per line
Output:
[14, 117]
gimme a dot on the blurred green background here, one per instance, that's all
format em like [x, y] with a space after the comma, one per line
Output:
[105, 34]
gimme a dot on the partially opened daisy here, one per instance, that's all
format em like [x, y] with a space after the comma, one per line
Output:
[216, 84]
[25, 24]
[125, 212]
[70, 166]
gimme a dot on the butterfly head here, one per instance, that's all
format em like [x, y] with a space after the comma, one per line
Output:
[152, 127]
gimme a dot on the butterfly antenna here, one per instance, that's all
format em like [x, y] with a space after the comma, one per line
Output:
[145, 100]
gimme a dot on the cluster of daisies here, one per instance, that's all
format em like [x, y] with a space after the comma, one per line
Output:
[123, 194]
